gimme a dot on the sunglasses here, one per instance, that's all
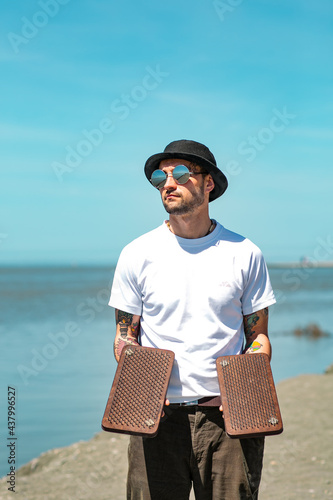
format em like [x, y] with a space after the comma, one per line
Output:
[181, 175]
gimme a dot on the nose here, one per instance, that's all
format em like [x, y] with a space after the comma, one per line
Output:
[170, 181]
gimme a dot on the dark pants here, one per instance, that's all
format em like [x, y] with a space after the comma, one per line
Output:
[192, 446]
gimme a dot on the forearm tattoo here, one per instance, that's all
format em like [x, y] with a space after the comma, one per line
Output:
[251, 321]
[253, 346]
[124, 321]
[128, 332]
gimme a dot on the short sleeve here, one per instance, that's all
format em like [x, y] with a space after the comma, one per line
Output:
[258, 292]
[125, 293]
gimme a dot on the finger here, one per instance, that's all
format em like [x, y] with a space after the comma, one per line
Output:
[166, 403]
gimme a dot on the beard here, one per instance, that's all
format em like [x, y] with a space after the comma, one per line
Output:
[186, 207]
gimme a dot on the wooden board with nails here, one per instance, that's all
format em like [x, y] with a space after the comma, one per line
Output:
[249, 399]
[138, 392]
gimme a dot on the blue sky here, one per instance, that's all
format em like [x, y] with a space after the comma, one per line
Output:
[89, 90]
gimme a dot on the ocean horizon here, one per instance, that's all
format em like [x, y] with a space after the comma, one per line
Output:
[56, 334]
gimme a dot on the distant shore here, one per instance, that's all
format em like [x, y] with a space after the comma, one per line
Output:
[106, 265]
[302, 264]
[298, 463]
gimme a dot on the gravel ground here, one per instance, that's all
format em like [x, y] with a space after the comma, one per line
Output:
[298, 463]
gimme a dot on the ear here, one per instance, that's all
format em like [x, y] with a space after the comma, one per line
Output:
[209, 183]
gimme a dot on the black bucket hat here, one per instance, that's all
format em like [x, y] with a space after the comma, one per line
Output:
[196, 153]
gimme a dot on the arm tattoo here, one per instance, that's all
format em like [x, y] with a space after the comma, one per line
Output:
[253, 347]
[124, 317]
[250, 323]
[128, 332]
[124, 321]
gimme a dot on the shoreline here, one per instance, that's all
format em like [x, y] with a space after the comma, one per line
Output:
[12, 266]
[297, 464]
[301, 265]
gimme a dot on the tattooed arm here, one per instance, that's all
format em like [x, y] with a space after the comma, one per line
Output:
[256, 333]
[127, 332]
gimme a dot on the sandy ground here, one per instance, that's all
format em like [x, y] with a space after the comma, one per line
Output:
[298, 463]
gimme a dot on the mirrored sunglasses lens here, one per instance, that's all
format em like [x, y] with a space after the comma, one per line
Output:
[181, 174]
[158, 178]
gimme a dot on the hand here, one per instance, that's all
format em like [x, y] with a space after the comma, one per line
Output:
[166, 403]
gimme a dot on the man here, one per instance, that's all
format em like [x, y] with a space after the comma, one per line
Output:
[198, 289]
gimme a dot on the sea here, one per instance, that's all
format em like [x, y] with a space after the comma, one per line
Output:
[56, 344]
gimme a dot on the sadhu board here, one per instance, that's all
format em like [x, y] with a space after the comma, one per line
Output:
[248, 394]
[138, 392]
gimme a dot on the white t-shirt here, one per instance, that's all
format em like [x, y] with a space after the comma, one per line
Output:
[191, 295]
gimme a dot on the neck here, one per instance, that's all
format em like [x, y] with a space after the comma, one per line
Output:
[189, 227]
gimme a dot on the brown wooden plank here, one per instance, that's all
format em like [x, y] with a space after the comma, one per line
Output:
[249, 399]
[138, 392]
